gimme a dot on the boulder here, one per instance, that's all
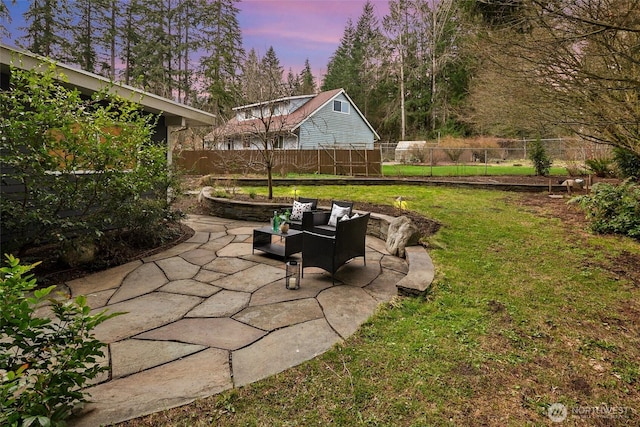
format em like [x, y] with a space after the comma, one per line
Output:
[402, 233]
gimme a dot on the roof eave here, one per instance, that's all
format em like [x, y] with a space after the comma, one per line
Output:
[175, 114]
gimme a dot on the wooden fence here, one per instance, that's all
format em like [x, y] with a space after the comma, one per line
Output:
[350, 162]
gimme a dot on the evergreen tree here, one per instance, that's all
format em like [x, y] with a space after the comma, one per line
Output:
[221, 38]
[306, 80]
[91, 20]
[4, 17]
[151, 57]
[188, 20]
[355, 66]
[47, 25]
[271, 72]
[250, 81]
[367, 47]
[340, 69]
[293, 84]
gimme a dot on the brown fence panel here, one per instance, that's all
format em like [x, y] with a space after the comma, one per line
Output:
[355, 162]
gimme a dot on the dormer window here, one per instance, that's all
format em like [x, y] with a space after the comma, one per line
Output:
[341, 106]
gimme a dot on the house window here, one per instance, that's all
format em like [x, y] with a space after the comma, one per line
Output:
[278, 142]
[341, 106]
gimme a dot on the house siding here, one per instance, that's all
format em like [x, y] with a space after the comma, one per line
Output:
[328, 128]
[255, 143]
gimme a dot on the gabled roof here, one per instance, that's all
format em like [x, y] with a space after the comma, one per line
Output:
[174, 113]
[288, 122]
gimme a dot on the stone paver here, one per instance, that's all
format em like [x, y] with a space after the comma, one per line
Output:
[108, 279]
[143, 313]
[346, 308]
[274, 316]
[176, 268]
[221, 332]
[190, 287]
[131, 356]
[141, 281]
[167, 386]
[224, 303]
[192, 309]
[282, 349]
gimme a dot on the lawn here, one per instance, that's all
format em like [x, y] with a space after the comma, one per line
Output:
[464, 170]
[526, 310]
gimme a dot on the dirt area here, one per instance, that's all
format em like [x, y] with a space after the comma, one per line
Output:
[120, 251]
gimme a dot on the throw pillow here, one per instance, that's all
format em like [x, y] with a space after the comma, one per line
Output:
[337, 212]
[298, 209]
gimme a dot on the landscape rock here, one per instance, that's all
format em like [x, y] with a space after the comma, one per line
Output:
[402, 233]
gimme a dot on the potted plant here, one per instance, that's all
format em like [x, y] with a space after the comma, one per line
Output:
[284, 221]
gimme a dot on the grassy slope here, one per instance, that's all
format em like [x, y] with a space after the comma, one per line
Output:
[524, 312]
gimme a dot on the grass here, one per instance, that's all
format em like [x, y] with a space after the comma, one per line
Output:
[462, 170]
[525, 311]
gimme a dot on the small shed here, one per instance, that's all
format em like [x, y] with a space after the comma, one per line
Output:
[406, 151]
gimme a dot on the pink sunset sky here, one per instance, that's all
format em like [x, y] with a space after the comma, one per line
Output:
[300, 29]
[297, 29]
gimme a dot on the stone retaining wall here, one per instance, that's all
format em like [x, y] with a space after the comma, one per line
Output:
[443, 182]
[263, 212]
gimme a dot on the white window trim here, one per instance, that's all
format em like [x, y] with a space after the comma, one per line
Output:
[342, 106]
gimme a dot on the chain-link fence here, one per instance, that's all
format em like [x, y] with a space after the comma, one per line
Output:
[567, 151]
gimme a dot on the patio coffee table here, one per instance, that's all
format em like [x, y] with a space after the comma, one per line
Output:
[291, 242]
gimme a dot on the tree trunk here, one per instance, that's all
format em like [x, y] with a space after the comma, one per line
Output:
[270, 181]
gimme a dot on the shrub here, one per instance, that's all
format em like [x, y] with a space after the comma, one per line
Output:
[541, 160]
[44, 363]
[613, 209]
[574, 169]
[83, 165]
[600, 167]
[628, 163]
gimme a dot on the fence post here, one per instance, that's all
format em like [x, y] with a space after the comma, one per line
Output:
[350, 162]
[486, 160]
[431, 161]
[366, 162]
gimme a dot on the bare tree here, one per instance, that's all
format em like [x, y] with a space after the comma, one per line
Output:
[582, 59]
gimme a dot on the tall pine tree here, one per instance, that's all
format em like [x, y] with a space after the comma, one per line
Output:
[271, 72]
[46, 33]
[307, 81]
[221, 39]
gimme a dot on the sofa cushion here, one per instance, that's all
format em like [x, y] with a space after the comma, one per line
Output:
[298, 209]
[337, 212]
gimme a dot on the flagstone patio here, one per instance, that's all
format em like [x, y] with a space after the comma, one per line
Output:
[208, 315]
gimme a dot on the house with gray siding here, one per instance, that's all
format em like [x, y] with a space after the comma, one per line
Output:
[307, 122]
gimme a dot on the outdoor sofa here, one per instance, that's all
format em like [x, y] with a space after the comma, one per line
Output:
[324, 222]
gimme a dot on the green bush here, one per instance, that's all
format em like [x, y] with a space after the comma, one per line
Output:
[541, 160]
[44, 363]
[85, 164]
[600, 167]
[613, 209]
[628, 163]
